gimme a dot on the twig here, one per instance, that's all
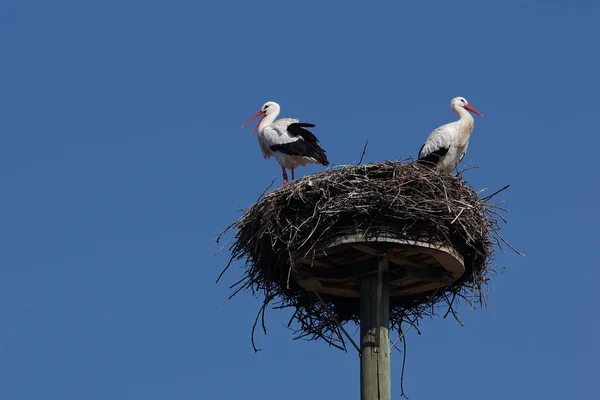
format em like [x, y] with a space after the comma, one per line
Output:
[508, 244]
[495, 193]
[451, 310]
[363, 153]
[338, 324]
[237, 205]
[402, 374]
[224, 270]
[262, 310]
[455, 218]
[401, 336]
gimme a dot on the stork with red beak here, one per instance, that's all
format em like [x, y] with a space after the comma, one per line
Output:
[286, 140]
[447, 145]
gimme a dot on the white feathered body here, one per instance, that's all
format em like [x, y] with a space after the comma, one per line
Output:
[453, 136]
[276, 133]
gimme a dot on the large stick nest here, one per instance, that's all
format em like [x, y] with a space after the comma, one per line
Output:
[412, 200]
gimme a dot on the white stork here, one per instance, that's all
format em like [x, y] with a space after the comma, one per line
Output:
[286, 140]
[447, 145]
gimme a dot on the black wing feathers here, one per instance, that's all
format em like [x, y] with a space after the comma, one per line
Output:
[307, 146]
[297, 129]
[433, 157]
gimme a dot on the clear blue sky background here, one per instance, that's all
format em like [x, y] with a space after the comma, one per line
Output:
[121, 149]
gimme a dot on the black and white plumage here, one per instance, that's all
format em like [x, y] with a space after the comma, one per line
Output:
[287, 140]
[447, 145]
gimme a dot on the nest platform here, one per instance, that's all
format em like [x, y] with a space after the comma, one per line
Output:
[414, 267]
[306, 246]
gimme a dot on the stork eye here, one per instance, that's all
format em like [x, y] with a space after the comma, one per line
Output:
[267, 106]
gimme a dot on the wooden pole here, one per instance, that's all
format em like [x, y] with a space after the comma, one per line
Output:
[374, 335]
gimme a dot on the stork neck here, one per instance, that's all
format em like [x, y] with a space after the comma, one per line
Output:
[465, 123]
[464, 116]
[268, 119]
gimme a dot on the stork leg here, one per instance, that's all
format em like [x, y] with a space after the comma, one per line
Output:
[292, 173]
[285, 177]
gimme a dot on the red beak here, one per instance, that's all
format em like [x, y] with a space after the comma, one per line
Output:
[468, 107]
[253, 117]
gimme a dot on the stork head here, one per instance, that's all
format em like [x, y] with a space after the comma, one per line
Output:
[461, 102]
[269, 108]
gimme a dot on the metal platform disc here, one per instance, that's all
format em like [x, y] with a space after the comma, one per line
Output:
[414, 267]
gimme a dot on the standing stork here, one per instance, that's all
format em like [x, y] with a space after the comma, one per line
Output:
[447, 145]
[286, 140]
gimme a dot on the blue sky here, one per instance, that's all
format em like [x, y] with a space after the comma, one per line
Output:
[122, 158]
